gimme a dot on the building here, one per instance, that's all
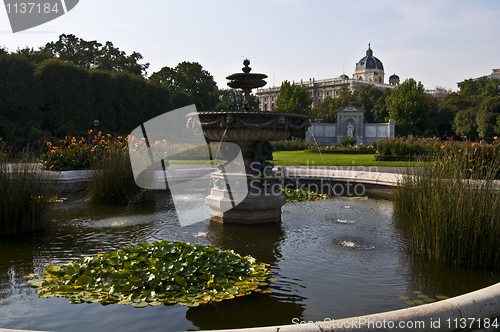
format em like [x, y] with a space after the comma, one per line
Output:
[495, 73]
[369, 71]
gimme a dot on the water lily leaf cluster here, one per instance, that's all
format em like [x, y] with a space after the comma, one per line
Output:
[298, 195]
[153, 274]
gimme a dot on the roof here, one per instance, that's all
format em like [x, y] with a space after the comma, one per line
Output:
[369, 61]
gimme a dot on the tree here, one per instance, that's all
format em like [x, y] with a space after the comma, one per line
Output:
[293, 98]
[409, 106]
[34, 56]
[191, 78]
[487, 115]
[21, 97]
[232, 100]
[465, 124]
[68, 105]
[91, 54]
[325, 110]
[379, 112]
[480, 88]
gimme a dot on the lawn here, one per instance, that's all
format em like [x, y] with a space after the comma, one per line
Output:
[315, 159]
[332, 159]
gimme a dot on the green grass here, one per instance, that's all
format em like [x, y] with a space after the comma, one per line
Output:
[315, 159]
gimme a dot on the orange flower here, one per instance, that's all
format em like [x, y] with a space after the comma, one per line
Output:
[459, 151]
[119, 137]
[470, 160]
[442, 146]
[496, 137]
[109, 135]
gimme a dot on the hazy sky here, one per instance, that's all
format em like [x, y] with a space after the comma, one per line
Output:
[436, 42]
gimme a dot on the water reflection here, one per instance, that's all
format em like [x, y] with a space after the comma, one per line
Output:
[332, 259]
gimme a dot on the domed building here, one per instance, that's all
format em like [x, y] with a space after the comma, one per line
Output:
[394, 79]
[369, 68]
[369, 71]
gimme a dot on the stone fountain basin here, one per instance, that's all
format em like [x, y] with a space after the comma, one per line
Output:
[236, 126]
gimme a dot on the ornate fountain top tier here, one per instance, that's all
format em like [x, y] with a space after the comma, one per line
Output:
[246, 81]
[249, 126]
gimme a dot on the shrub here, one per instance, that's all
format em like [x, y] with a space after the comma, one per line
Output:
[349, 149]
[83, 153]
[291, 144]
[347, 140]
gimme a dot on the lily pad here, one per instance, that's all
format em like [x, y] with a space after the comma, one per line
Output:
[442, 297]
[152, 274]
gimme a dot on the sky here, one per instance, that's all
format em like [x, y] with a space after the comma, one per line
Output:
[436, 42]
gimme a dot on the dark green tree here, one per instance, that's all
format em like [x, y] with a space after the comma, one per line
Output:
[293, 98]
[475, 90]
[191, 78]
[325, 110]
[379, 112]
[34, 56]
[486, 119]
[68, 105]
[21, 97]
[410, 107]
[465, 122]
[91, 54]
[232, 100]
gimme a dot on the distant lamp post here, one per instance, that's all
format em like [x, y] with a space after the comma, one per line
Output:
[96, 123]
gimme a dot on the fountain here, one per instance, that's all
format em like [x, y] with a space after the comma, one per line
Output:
[251, 130]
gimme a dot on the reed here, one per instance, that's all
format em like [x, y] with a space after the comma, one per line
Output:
[113, 181]
[450, 212]
[25, 199]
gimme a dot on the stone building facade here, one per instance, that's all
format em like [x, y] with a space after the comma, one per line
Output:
[369, 71]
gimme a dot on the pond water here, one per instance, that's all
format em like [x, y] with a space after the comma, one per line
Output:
[333, 259]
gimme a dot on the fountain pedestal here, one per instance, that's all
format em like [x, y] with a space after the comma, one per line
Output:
[252, 131]
[262, 204]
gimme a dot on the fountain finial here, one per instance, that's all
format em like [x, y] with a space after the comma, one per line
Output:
[246, 81]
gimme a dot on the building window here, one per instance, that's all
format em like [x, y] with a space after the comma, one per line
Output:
[265, 107]
[265, 98]
[272, 98]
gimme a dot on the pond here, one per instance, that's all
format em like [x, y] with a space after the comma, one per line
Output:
[336, 258]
